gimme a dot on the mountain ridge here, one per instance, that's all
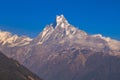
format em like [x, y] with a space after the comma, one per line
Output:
[61, 51]
[60, 30]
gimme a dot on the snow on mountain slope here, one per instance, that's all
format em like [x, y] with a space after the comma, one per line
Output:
[44, 35]
[113, 44]
[60, 49]
[60, 32]
[6, 38]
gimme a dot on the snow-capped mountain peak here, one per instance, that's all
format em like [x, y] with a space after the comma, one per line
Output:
[61, 20]
[61, 47]
[59, 30]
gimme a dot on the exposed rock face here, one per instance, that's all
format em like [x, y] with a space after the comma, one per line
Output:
[63, 52]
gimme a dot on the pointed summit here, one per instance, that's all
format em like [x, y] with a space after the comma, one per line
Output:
[60, 20]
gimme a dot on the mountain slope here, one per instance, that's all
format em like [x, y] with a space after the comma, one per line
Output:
[12, 70]
[61, 52]
[99, 67]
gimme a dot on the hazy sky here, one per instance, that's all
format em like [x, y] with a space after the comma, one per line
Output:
[29, 17]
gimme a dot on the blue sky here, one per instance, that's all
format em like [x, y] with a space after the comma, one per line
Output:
[29, 17]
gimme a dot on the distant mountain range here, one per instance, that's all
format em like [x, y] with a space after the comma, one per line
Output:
[63, 52]
[12, 70]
